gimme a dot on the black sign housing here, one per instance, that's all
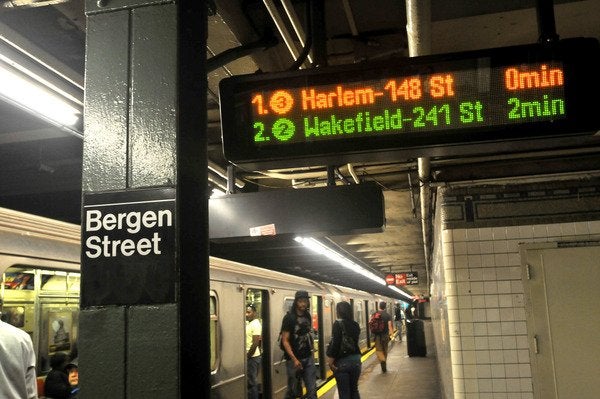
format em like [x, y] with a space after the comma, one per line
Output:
[422, 106]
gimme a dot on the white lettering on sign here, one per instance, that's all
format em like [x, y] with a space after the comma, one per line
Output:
[111, 248]
[132, 222]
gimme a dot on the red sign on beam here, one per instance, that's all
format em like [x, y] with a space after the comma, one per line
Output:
[390, 279]
[402, 279]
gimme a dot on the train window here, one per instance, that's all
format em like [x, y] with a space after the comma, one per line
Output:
[359, 316]
[213, 331]
[328, 312]
[18, 279]
[61, 282]
[254, 297]
[287, 304]
[314, 312]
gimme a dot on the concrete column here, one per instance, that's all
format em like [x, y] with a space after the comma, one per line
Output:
[144, 319]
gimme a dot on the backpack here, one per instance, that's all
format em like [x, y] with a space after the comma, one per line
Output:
[348, 345]
[376, 323]
[280, 340]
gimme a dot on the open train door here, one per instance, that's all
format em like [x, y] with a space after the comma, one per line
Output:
[260, 299]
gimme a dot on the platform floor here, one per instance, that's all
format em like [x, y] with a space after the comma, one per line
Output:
[406, 377]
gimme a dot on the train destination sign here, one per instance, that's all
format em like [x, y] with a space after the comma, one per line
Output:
[498, 94]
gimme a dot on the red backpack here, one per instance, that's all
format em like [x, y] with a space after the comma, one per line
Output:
[376, 323]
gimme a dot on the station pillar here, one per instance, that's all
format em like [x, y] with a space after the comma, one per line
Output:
[144, 311]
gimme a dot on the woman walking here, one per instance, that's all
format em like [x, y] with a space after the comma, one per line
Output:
[343, 353]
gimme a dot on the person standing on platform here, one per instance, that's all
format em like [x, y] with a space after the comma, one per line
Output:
[382, 334]
[17, 363]
[297, 343]
[343, 353]
[398, 321]
[253, 337]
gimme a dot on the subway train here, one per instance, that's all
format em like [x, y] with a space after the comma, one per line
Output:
[39, 265]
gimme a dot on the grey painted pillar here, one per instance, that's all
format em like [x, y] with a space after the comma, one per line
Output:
[144, 319]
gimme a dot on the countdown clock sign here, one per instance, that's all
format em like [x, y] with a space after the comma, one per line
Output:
[422, 102]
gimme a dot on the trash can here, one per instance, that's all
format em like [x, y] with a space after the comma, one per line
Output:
[415, 338]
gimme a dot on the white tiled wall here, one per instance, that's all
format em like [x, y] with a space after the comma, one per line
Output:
[485, 306]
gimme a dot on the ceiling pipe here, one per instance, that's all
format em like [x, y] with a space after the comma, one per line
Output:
[296, 25]
[374, 170]
[283, 30]
[308, 42]
[350, 17]
[315, 9]
[233, 54]
[353, 173]
[418, 29]
[222, 173]
[217, 182]
[566, 176]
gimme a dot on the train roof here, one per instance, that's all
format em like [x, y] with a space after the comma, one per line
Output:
[34, 241]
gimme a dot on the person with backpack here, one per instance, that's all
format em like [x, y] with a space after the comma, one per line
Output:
[343, 353]
[381, 327]
[297, 343]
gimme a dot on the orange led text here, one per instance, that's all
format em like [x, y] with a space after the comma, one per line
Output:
[441, 85]
[340, 97]
[544, 77]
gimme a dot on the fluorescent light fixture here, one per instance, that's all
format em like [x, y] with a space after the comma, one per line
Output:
[322, 249]
[36, 99]
[316, 246]
[399, 291]
[213, 167]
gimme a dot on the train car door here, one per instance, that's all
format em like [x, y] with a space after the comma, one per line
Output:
[259, 300]
[371, 308]
[316, 307]
[561, 295]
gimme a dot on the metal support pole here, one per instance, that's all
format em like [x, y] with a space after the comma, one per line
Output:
[330, 175]
[418, 28]
[230, 179]
[319, 32]
[545, 18]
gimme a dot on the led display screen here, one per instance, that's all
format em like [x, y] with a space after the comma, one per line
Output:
[498, 94]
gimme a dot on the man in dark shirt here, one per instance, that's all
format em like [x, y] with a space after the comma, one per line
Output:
[383, 339]
[297, 342]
